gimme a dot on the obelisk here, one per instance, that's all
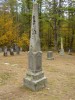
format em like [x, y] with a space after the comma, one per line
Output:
[35, 79]
[62, 48]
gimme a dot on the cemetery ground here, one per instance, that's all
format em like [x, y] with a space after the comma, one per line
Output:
[60, 74]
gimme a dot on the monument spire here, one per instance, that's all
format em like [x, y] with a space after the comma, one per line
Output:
[62, 48]
[35, 40]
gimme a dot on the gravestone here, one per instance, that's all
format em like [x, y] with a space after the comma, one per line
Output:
[5, 51]
[17, 50]
[69, 52]
[11, 51]
[35, 79]
[50, 55]
[62, 49]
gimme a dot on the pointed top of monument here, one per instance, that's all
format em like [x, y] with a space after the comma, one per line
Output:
[35, 40]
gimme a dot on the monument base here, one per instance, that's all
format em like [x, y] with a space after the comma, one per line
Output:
[35, 81]
[62, 52]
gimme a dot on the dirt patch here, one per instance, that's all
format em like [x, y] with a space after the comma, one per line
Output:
[60, 74]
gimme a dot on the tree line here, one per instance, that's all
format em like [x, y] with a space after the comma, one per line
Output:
[56, 20]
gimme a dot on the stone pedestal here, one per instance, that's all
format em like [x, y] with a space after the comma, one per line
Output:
[50, 55]
[35, 79]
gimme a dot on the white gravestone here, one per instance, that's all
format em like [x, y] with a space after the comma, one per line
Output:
[62, 48]
[35, 79]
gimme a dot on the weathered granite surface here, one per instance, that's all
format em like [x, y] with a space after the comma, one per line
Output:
[5, 51]
[35, 79]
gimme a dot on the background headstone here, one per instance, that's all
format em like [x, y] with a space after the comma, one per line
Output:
[69, 52]
[5, 51]
[21, 49]
[11, 51]
[50, 55]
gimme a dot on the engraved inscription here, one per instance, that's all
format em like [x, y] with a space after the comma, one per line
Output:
[33, 20]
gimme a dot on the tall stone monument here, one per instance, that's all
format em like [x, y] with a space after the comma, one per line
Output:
[35, 79]
[62, 48]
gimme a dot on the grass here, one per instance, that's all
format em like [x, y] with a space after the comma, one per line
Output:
[60, 75]
[4, 77]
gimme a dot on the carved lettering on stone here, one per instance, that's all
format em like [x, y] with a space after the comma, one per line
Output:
[33, 20]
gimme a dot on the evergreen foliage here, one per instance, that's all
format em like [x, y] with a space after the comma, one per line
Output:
[56, 20]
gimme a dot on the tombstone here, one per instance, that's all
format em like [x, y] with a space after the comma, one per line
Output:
[5, 51]
[69, 52]
[35, 79]
[50, 55]
[62, 49]
[17, 49]
[11, 51]
[14, 47]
